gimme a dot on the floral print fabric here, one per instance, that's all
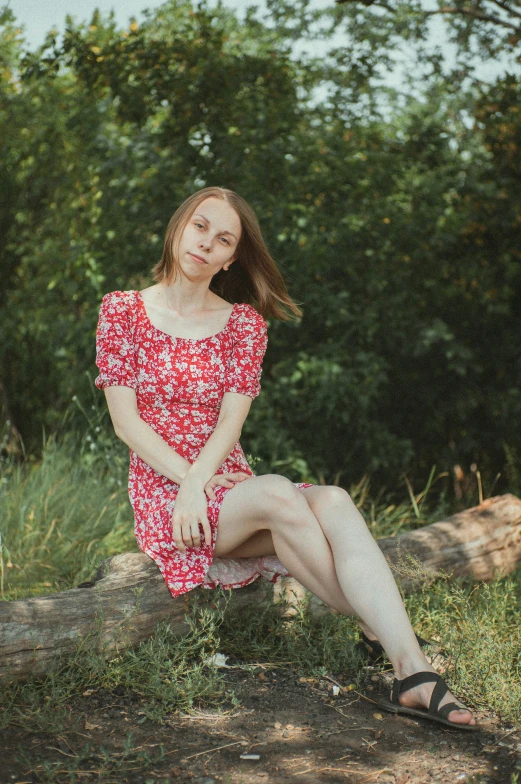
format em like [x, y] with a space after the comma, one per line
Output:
[179, 385]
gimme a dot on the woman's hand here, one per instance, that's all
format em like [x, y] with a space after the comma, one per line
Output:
[190, 510]
[190, 515]
[223, 480]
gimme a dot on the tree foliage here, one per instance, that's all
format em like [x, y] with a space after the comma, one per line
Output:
[395, 218]
[486, 28]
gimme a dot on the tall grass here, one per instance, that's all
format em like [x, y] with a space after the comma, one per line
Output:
[61, 516]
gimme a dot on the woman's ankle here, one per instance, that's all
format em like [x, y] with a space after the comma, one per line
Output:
[410, 663]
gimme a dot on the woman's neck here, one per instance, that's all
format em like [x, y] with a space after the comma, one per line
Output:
[185, 296]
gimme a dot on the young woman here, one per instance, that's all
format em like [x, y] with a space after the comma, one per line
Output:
[180, 366]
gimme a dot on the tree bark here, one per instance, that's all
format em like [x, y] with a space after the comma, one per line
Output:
[128, 596]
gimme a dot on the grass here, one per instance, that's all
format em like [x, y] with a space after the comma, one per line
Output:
[64, 514]
[109, 766]
[477, 623]
[61, 516]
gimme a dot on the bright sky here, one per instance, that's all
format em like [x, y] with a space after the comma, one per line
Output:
[40, 16]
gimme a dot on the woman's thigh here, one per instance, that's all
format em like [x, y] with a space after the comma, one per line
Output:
[259, 544]
[252, 506]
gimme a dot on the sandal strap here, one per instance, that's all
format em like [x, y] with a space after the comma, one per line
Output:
[411, 681]
[375, 646]
[439, 692]
[448, 708]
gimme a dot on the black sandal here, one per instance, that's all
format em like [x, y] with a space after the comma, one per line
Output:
[374, 649]
[433, 712]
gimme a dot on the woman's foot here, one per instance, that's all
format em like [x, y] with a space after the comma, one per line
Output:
[420, 697]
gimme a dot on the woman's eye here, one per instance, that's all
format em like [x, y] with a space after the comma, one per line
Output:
[225, 240]
[199, 225]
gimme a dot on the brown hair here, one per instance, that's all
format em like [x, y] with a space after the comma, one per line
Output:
[253, 278]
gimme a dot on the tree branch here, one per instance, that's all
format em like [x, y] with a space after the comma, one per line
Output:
[474, 14]
[507, 8]
[466, 11]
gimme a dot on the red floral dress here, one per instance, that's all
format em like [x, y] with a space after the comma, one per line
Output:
[179, 384]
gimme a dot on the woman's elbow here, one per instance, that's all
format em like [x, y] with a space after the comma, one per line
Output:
[120, 433]
[122, 430]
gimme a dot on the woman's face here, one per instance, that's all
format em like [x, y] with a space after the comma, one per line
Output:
[209, 240]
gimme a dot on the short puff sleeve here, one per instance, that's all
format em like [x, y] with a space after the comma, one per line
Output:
[245, 363]
[114, 343]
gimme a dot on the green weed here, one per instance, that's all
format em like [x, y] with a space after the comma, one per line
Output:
[307, 644]
[109, 766]
[478, 625]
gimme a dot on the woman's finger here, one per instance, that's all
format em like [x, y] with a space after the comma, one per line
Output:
[223, 481]
[206, 530]
[210, 492]
[177, 535]
[187, 533]
[195, 533]
[238, 477]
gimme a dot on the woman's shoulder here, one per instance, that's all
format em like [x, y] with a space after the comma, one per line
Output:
[119, 308]
[120, 299]
[120, 304]
[247, 318]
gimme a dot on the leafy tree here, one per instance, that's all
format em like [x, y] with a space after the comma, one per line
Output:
[395, 222]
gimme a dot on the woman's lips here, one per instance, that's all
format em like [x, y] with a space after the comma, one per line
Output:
[197, 258]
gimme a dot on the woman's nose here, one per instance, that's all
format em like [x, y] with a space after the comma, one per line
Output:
[205, 242]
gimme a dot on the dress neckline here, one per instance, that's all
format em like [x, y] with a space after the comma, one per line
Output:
[188, 340]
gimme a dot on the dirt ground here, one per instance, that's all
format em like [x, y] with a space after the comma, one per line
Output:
[300, 730]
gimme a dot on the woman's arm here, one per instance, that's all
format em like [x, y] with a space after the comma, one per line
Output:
[233, 413]
[141, 437]
[190, 510]
[150, 447]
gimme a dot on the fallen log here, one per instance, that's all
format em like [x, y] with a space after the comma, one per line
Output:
[128, 596]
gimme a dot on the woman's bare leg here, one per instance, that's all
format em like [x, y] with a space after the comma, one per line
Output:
[261, 543]
[272, 498]
[366, 582]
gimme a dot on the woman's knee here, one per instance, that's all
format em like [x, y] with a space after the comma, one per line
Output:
[335, 511]
[283, 500]
[328, 496]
